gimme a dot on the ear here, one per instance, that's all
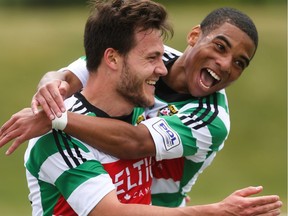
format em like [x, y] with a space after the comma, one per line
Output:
[194, 35]
[111, 58]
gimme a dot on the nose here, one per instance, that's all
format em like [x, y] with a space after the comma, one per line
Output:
[225, 63]
[161, 69]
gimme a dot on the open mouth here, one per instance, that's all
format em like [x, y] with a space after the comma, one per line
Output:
[151, 82]
[208, 78]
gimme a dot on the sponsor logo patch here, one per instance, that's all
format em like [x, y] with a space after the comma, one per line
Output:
[168, 111]
[170, 137]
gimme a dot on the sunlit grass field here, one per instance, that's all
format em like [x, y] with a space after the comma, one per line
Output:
[34, 41]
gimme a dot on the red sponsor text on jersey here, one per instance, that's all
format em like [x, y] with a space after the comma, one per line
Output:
[132, 179]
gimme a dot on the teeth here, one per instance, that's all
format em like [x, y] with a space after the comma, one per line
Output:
[213, 74]
[151, 82]
[203, 85]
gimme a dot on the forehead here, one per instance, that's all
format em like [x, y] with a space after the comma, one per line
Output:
[149, 41]
[235, 37]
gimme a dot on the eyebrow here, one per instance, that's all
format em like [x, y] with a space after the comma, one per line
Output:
[223, 38]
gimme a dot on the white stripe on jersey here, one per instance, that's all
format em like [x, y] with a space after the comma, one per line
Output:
[167, 186]
[60, 166]
[83, 192]
[192, 181]
[34, 194]
[171, 52]
[203, 142]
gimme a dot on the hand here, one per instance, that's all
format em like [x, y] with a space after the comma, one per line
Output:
[240, 203]
[50, 97]
[23, 126]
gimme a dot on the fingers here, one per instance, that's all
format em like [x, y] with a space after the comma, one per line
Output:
[6, 126]
[248, 191]
[264, 200]
[271, 213]
[9, 135]
[39, 100]
[17, 142]
[270, 209]
[242, 203]
[23, 126]
[6, 137]
[14, 128]
[50, 99]
[34, 105]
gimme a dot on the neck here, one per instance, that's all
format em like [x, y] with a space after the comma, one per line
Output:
[102, 94]
[176, 77]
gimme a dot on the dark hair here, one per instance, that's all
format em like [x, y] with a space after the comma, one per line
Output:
[113, 24]
[233, 16]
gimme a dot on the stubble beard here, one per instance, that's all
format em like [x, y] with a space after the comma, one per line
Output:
[130, 87]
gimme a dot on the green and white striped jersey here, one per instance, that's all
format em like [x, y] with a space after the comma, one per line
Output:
[68, 177]
[187, 132]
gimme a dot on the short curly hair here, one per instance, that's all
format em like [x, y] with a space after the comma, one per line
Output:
[113, 23]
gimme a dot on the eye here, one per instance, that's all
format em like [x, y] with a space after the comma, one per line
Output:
[220, 47]
[240, 64]
[152, 58]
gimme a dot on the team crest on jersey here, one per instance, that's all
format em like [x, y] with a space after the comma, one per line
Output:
[170, 137]
[168, 111]
[140, 119]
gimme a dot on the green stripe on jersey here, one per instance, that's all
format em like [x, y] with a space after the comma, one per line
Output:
[49, 197]
[45, 147]
[189, 171]
[162, 199]
[219, 133]
[72, 178]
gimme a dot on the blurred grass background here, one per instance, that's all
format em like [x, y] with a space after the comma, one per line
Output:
[34, 40]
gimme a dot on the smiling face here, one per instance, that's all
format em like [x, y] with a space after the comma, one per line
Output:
[217, 59]
[142, 68]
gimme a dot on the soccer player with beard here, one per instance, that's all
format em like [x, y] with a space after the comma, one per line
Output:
[190, 119]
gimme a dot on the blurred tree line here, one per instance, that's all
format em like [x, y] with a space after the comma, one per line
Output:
[84, 2]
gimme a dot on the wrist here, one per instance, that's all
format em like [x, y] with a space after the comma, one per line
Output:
[61, 122]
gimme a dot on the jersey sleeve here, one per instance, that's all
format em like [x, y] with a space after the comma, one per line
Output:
[178, 135]
[78, 67]
[69, 167]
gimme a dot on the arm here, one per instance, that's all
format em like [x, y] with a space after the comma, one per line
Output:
[113, 136]
[238, 203]
[53, 88]
[123, 139]
[56, 86]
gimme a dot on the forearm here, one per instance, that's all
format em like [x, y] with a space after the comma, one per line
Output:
[104, 208]
[140, 210]
[50, 76]
[67, 76]
[112, 136]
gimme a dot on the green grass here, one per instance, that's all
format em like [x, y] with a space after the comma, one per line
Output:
[34, 41]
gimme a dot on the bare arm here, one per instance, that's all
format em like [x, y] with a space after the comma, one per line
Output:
[238, 203]
[114, 136]
[52, 89]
